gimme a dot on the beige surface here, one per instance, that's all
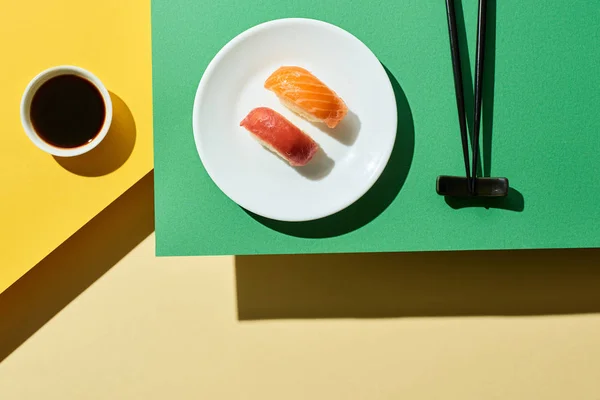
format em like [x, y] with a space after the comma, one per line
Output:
[170, 328]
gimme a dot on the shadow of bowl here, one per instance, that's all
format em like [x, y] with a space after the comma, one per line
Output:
[377, 199]
[113, 151]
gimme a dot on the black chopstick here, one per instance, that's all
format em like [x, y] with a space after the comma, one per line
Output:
[458, 88]
[479, 62]
[471, 185]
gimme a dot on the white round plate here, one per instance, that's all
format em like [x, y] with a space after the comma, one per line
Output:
[354, 153]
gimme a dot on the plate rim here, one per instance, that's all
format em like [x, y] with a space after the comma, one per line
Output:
[209, 71]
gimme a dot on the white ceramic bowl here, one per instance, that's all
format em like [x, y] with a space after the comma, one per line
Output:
[30, 91]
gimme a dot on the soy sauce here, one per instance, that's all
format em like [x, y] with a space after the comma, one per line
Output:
[67, 111]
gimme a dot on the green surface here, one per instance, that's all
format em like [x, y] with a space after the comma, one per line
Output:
[545, 115]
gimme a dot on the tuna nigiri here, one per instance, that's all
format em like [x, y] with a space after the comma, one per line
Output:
[279, 135]
[306, 95]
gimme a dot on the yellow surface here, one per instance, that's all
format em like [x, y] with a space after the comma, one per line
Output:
[43, 200]
[467, 326]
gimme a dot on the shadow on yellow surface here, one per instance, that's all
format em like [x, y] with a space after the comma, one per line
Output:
[113, 151]
[523, 282]
[66, 272]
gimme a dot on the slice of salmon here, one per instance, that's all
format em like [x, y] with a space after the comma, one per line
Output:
[280, 136]
[306, 95]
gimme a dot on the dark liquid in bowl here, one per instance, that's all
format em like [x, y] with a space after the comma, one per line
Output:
[67, 111]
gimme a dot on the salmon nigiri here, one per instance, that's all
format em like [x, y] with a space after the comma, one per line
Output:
[280, 136]
[306, 95]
